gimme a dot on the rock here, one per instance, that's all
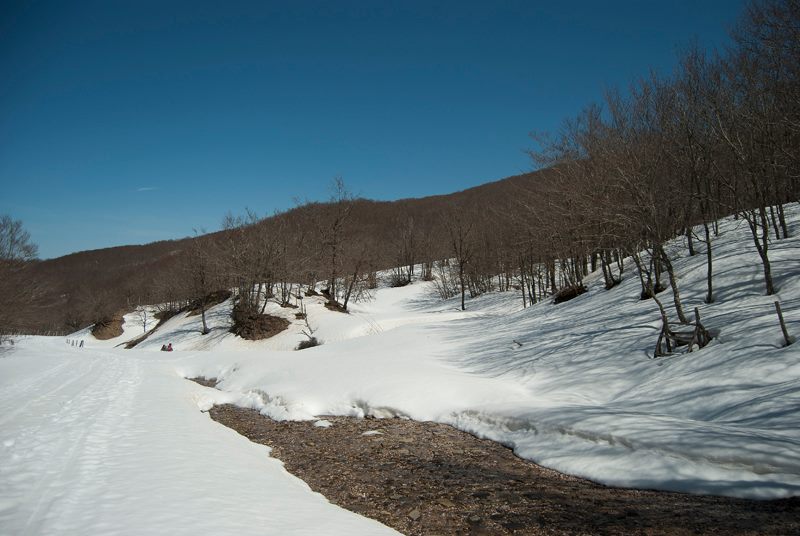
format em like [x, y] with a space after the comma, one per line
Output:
[447, 503]
[414, 514]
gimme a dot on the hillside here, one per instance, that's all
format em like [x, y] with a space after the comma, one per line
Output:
[76, 290]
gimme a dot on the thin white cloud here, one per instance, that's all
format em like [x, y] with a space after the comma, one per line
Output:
[147, 189]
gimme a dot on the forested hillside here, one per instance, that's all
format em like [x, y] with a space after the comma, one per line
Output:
[719, 136]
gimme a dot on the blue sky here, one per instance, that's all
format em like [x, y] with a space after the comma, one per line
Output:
[129, 122]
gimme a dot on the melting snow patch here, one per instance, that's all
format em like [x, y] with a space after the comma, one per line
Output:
[322, 423]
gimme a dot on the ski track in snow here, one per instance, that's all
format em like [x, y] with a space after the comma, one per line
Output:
[100, 442]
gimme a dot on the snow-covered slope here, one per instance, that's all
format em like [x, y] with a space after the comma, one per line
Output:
[87, 434]
[572, 386]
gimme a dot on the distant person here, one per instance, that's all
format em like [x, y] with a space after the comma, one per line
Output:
[169, 347]
[163, 347]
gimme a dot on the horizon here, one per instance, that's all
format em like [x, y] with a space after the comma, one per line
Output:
[130, 124]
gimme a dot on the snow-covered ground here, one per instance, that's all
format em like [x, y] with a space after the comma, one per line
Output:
[98, 441]
[89, 434]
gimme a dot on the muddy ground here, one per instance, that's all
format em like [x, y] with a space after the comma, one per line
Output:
[424, 478]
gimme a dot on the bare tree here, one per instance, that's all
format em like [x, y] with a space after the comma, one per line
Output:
[141, 316]
[333, 232]
[249, 257]
[405, 251]
[459, 230]
[360, 254]
[15, 241]
[201, 269]
[693, 150]
[16, 290]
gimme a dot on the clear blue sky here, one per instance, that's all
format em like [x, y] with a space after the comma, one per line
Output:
[132, 121]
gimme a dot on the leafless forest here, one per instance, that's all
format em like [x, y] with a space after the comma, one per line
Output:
[664, 158]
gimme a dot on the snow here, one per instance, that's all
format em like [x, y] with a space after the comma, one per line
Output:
[571, 386]
[87, 434]
[108, 442]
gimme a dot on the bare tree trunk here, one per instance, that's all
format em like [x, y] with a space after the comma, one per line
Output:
[664, 320]
[775, 225]
[782, 220]
[709, 264]
[755, 220]
[203, 316]
[640, 270]
[349, 290]
[608, 275]
[531, 284]
[655, 262]
[605, 273]
[266, 298]
[673, 282]
[542, 286]
[461, 282]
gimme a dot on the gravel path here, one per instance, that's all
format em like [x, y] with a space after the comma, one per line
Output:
[423, 478]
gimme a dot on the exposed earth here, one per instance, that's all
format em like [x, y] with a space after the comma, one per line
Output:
[424, 478]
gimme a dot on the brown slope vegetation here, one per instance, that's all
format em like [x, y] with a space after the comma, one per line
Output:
[83, 288]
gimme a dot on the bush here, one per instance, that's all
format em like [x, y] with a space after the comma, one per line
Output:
[109, 327]
[398, 279]
[254, 326]
[310, 343]
[566, 294]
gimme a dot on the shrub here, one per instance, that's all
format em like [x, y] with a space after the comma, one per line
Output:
[398, 279]
[254, 326]
[109, 327]
[310, 343]
[566, 294]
